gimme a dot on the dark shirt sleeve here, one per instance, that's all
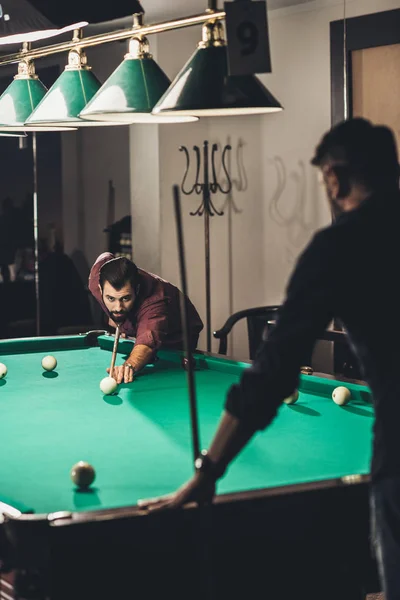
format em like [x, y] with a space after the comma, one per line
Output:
[152, 323]
[306, 312]
[94, 276]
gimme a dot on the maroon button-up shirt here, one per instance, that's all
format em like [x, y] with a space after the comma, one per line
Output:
[155, 319]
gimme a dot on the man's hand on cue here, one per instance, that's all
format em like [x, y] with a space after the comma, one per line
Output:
[123, 373]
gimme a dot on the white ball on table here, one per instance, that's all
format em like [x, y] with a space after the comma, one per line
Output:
[292, 398]
[49, 363]
[341, 395]
[108, 385]
[3, 370]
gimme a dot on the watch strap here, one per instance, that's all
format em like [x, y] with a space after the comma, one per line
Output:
[204, 464]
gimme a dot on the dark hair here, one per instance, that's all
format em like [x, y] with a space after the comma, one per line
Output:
[118, 272]
[362, 152]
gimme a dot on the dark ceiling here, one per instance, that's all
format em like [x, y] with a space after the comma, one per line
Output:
[72, 11]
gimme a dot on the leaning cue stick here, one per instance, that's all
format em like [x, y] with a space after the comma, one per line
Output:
[203, 522]
[185, 324]
[36, 231]
[114, 352]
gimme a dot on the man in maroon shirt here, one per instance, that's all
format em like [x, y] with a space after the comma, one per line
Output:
[144, 306]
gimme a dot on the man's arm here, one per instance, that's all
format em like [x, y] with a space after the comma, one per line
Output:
[139, 357]
[252, 403]
[152, 327]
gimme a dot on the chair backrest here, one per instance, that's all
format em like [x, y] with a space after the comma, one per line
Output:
[263, 318]
[257, 326]
[257, 319]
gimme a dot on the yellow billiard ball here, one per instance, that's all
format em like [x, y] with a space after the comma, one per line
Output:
[83, 474]
[292, 398]
[341, 395]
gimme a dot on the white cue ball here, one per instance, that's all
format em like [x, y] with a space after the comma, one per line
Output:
[3, 370]
[49, 363]
[341, 395]
[292, 398]
[108, 385]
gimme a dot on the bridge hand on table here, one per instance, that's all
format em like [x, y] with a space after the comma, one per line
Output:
[122, 373]
[200, 490]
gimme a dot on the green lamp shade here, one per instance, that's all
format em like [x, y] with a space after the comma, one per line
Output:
[130, 94]
[19, 100]
[203, 88]
[65, 99]
[17, 103]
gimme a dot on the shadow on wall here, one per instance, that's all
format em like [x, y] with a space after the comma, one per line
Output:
[235, 168]
[294, 215]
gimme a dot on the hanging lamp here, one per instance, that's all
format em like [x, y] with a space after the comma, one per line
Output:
[203, 87]
[131, 92]
[21, 97]
[70, 93]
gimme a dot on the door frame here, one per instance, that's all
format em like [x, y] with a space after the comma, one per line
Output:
[366, 31]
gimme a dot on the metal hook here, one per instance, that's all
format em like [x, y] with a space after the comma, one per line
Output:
[185, 150]
[211, 207]
[198, 187]
[214, 184]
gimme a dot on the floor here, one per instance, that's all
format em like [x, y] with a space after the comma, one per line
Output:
[7, 591]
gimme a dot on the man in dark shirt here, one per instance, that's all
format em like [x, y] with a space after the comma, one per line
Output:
[349, 271]
[144, 306]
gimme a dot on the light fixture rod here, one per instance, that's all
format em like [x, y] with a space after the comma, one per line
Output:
[112, 36]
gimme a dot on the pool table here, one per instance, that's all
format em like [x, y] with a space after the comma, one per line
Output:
[294, 501]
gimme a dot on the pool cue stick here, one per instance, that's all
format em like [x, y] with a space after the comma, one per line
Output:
[36, 231]
[185, 324]
[114, 352]
[204, 517]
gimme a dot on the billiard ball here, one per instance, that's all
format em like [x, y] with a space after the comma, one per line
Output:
[108, 385]
[341, 395]
[3, 370]
[49, 363]
[83, 474]
[292, 398]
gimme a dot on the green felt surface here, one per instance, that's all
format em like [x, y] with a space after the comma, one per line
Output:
[139, 441]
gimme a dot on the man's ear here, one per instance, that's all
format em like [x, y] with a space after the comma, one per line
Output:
[331, 181]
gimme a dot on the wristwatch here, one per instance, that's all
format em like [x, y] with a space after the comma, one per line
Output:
[204, 464]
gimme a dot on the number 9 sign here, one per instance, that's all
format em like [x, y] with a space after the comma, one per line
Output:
[248, 42]
[247, 34]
